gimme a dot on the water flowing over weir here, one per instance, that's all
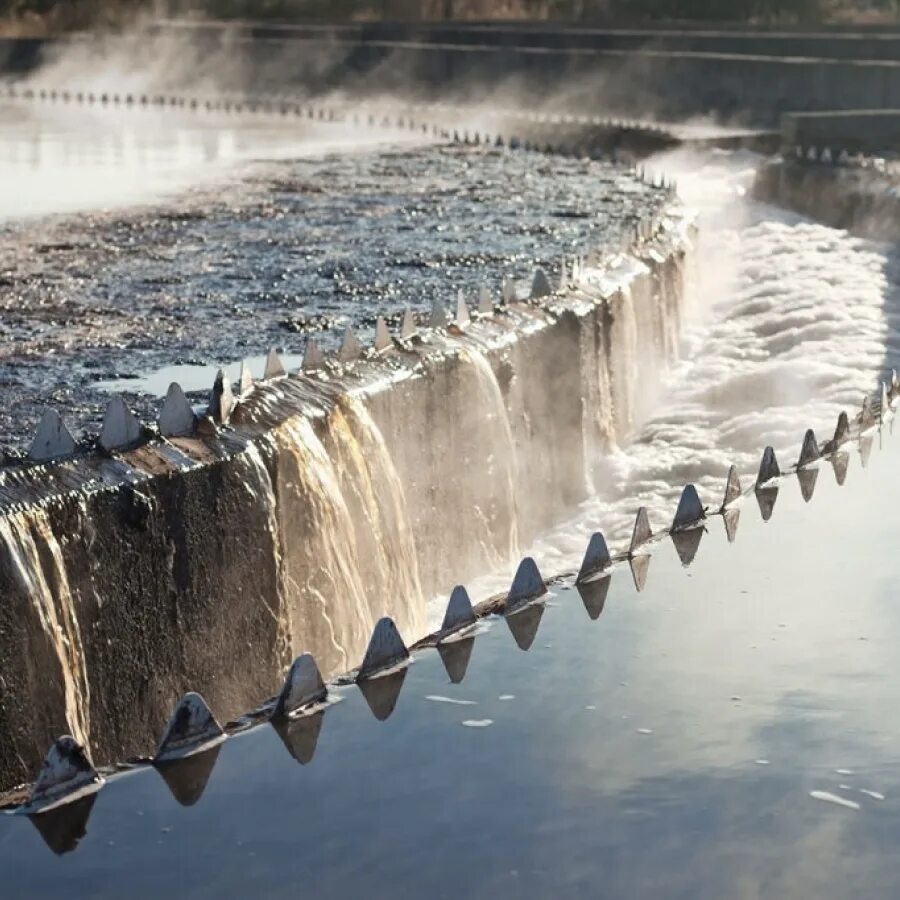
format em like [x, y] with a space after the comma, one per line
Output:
[208, 562]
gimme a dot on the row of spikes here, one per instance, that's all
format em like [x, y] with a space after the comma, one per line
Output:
[67, 773]
[287, 103]
[261, 104]
[122, 430]
[841, 158]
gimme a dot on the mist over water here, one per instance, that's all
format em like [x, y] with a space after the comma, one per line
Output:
[791, 322]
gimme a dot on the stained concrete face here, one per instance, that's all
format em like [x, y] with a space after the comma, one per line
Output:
[210, 577]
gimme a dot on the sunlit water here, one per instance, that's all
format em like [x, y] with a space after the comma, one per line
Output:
[791, 322]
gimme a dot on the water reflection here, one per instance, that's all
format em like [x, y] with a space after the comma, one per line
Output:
[64, 826]
[807, 479]
[640, 566]
[524, 623]
[187, 778]
[766, 498]
[593, 594]
[455, 656]
[301, 735]
[687, 542]
[381, 692]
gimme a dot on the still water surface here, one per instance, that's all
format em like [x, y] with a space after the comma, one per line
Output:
[726, 732]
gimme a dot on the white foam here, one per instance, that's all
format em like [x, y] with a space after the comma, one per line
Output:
[478, 723]
[833, 798]
[437, 698]
[875, 795]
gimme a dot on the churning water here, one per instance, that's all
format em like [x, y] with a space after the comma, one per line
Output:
[791, 322]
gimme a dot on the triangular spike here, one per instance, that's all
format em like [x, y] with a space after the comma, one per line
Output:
[245, 380]
[302, 686]
[641, 533]
[66, 775]
[527, 585]
[690, 510]
[382, 693]
[809, 452]
[596, 557]
[768, 467]
[274, 366]
[508, 290]
[842, 431]
[438, 314]
[687, 541]
[563, 276]
[866, 416]
[640, 566]
[766, 498]
[459, 610]
[485, 301]
[221, 401]
[593, 594]
[540, 285]
[187, 778]
[409, 328]
[52, 438]
[176, 417]
[313, 358]
[462, 311]
[351, 349]
[524, 624]
[732, 487]
[383, 338]
[301, 735]
[455, 656]
[120, 427]
[807, 479]
[731, 518]
[386, 649]
[191, 729]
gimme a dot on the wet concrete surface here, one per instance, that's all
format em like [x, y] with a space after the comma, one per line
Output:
[724, 732]
[264, 250]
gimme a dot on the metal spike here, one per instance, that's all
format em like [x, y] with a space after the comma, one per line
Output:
[351, 349]
[523, 624]
[120, 427]
[66, 775]
[641, 533]
[462, 311]
[540, 285]
[508, 290]
[768, 467]
[527, 585]
[866, 416]
[409, 327]
[459, 611]
[176, 417]
[52, 439]
[245, 380]
[842, 431]
[302, 687]
[732, 487]
[221, 401]
[274, 367]
[690, 510]
[383, 338]
[313, 358]
[809, 452]
[191, 729]
[596, 557]
[438, 314]
[485, 301]
[386, 649]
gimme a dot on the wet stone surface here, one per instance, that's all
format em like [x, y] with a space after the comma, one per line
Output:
[724, 732]
[281, 249]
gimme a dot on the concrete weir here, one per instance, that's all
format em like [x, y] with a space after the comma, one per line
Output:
[360, 488]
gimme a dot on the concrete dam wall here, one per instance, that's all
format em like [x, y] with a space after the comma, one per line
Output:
[207, 562]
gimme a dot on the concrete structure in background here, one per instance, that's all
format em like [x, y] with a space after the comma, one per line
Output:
[862, 130]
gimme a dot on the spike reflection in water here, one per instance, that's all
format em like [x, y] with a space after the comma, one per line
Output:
[187, 778]
[840, 462]
[523, 624]
[382, 691]
[301, 735]
[455, 656]
[64, 826]
[640, 566]
[731, 517]
[807, 480]
[593, 594]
